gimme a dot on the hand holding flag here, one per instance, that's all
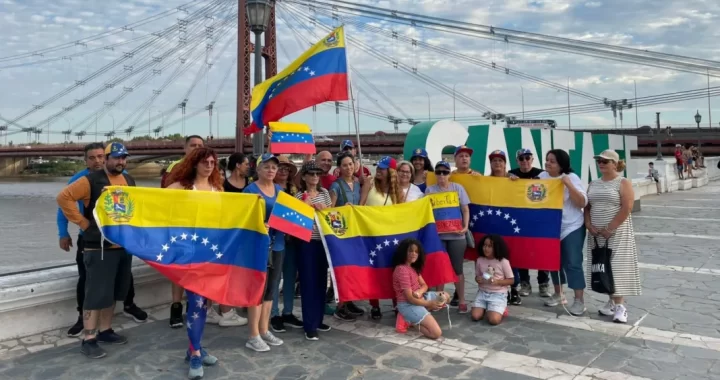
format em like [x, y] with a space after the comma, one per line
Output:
[292, 216]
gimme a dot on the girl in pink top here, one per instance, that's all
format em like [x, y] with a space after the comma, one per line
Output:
[411, 291]
[493, 275]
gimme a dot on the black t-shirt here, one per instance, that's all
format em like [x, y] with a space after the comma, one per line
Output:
[532, 174]
[230, 188]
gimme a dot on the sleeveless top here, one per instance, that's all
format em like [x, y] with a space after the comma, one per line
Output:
[376, 198]
[212, 188]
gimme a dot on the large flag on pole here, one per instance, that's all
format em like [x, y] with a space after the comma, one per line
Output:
[319, 75]
[212, 243]
[361, 240]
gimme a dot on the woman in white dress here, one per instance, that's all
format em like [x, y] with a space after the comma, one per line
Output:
[607, 218]
[409, 191]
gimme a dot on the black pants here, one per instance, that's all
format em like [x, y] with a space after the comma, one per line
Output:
[80, 290]
[543, 276]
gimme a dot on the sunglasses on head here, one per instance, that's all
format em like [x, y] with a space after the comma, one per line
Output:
[602, 161]
[526, 157]
[442, 172]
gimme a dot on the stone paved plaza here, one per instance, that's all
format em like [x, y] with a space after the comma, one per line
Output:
[673, 331]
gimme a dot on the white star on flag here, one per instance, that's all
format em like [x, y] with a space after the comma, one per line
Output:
[218, 255]
[195, 316]
[373, 254]
[159, 257]
[490, 211]
[517, 230]
[472, 224]
[173, 239]
[205, 241]
[312, 73]
[498, 212]
[183, 236]
[513, 222]
[396, 241]
[372, 262]
[165, 247]
[214, 247]
[307, 68]
[387, 243]
[475, 217]
[507, 216]
[200, 302]
[481, 213]
[189, 325]
[194, 237]
[379, 247]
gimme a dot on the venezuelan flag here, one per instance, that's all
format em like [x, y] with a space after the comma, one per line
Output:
[526, 213]
[361, 240]
[291, 138]
[192, 239]
[292, 216]
[446, 210]
[317, 76]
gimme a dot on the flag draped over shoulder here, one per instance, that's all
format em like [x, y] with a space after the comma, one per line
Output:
[192, 239]
[361, 241]
[526, 213]
[317, 76]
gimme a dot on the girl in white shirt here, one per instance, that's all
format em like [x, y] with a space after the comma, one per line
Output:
[572, 233]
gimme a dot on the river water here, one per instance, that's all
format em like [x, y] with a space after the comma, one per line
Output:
[28, 228]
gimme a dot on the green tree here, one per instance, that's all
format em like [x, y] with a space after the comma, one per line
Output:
[175, 137]
[115, 139]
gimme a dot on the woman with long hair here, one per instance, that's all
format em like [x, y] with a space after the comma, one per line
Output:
[198, 171]
[285, 178]
[608, 219]
[346, 191]
[383, 191]
[311, 262]
[454, 243]
[421, 165]
[239, 166]
[259, 316]
[572, 231]
[406, 173]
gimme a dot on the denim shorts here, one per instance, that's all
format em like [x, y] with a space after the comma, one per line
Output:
[414, 314]
[496, 302]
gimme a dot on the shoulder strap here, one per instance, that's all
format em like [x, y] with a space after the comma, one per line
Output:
[339, 181]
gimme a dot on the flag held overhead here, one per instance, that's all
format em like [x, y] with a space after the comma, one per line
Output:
[289, 138]
[292, 216]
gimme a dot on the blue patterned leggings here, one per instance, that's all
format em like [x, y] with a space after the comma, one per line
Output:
[196, 316]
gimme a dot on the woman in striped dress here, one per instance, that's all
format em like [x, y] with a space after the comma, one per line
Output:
[607, 218]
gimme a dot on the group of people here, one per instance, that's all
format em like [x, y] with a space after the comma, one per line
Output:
[687, 159]
[603, 212]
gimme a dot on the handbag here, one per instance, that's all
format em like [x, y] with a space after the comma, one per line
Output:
[470, 239]
[601, 277]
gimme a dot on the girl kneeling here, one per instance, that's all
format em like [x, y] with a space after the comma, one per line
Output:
[493, 275]
[411, 291]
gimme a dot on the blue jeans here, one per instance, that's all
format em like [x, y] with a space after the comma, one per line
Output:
[571, 259]
[516, 275]
[289, 274]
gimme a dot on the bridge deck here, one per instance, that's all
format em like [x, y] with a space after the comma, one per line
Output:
[673, 332]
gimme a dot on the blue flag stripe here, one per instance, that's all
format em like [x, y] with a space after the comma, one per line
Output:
[292, 137]
[517, 222]
[294, 217]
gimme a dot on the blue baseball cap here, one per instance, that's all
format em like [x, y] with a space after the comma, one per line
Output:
[116, 150]
[523, 152]
[443, 163]
[387, 163]
[347, 144]
[463, 148]
[419, 152]
[497, 153]
[268, 157]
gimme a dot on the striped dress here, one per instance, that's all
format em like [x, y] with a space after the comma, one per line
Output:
[604, 199]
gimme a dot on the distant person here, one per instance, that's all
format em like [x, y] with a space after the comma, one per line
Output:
[679, 161]
[95, 161]
[654, 175]
[108, 266]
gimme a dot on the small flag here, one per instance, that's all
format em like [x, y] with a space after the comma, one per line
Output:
[292, 216]
[291, 138]
[446, 209]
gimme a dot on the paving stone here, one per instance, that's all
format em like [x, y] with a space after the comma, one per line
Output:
[403, 361]
[292, 372]
[448, 371]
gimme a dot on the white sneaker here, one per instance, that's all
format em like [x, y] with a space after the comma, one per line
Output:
[257, 344]
[231, 318]
[620, 314]
[555, 300]
[608, 309]
[212, 316]
[271, 339]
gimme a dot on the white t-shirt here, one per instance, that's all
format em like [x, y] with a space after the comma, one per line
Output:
[572, 216]
[413, 193]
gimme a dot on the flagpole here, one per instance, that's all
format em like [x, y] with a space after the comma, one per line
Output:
[352, 98]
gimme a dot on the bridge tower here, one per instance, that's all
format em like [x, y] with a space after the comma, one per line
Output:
[244, 81]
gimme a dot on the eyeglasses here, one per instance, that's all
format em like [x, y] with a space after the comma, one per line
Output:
[404, 172]
[313, 174]
[442, 172]
[524, 158]
[602, 162]
[284, 169]
[208, 163]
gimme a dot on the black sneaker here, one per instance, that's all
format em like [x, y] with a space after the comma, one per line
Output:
[353, 309]
[91, 349]
[277, 325]
[176, 319]
[77, 328]
[343, 314]
[323, 327]
[136, 313]
[455, 300]
[330, 295]
[515, 297]
[312, 335]
[292, 321]
[375, 313]
[109, 336]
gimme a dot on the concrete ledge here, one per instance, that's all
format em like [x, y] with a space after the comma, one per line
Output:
[46, 300]
[700, 181]
[686, 184]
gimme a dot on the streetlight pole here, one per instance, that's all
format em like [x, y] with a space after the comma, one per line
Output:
[428, 95]
[258, 14]
[698, 119]
[657, 137]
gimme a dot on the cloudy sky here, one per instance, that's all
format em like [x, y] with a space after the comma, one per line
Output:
[43, 35]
